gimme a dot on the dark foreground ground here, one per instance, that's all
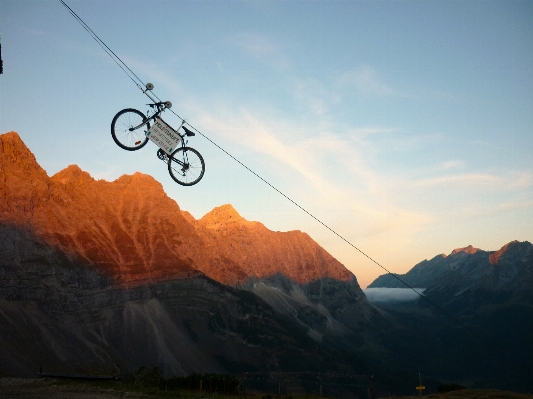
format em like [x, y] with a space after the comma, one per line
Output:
[47, 388]
[475, 394]
[32, 388]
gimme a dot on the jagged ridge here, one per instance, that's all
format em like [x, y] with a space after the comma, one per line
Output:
[509, 268]
[132, 230]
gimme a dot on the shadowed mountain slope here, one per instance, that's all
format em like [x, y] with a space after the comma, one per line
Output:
[72, 318]
[508, 269]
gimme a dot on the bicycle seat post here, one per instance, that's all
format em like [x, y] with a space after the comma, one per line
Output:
[181, 125]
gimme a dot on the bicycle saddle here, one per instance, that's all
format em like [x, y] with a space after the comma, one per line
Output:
[188, 132]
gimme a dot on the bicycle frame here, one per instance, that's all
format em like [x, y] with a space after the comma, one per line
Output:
[161, 106]
[164, 156]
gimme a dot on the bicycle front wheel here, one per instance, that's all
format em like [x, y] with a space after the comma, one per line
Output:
[123, 132]
[186, 166]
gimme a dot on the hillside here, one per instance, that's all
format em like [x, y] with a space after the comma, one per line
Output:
[116, 274]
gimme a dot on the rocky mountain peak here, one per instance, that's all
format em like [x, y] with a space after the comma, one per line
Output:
[137, 178]
[72, 174]
[470, 250]
[17, 159]
[141, 183]
[133, 231]
[13, 145]
[221, 215]
[494, 257]
[461, 274]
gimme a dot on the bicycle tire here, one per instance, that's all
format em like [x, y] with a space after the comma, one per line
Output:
[130, 140]
[186, 166]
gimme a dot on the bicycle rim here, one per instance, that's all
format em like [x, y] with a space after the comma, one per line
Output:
[125, 138]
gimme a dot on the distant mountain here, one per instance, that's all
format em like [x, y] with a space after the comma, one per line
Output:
[508, 269]
[485, 301]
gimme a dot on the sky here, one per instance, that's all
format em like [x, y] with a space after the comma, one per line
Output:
[404, 126]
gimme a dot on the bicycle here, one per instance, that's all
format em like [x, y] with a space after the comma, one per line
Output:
[131, 131]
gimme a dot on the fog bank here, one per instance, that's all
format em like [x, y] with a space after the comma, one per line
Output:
[380, 295]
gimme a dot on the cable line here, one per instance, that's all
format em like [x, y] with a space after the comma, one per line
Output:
[139, 83]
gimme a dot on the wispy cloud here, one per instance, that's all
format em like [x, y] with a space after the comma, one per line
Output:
[490, 210]
[503, 180]
[262, 136]
[452, 164]
[522, 180]
[311, 94]
[260, 47]
[459, 179]
[367, 81]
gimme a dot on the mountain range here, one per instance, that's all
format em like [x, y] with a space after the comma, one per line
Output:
[131, 230]
[466, 268]
[102, 268]
[105, 277]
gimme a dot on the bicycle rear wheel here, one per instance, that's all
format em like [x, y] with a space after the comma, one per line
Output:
[122, 129]
[186, 166]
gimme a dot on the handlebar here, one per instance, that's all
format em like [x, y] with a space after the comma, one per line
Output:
[166, 104]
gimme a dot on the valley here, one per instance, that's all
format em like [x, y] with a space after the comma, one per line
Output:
[95, 279]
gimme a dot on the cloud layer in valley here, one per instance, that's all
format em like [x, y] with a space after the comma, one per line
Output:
[387, 295]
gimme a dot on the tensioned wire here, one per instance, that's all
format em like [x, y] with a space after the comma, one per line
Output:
[122, 65]
[139, 83]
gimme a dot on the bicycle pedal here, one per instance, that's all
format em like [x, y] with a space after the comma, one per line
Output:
[161, 155]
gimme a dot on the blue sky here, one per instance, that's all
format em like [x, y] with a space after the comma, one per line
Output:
[406, 126]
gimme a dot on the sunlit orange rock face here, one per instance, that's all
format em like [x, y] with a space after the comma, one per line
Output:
[495, 257]
[470, 250]
[134, 232]
[259, 252]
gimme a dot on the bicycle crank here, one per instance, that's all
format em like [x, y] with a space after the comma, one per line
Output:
[161, 155]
